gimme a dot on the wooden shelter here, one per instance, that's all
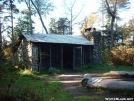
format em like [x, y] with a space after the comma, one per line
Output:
[59, 51]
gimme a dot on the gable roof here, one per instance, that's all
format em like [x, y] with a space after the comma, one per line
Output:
[54, 38]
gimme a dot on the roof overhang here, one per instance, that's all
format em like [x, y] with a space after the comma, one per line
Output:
[54, 38]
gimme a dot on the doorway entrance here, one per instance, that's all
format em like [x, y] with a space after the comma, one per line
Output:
[68, 56]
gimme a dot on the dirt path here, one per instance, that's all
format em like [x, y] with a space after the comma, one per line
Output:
[71, 84]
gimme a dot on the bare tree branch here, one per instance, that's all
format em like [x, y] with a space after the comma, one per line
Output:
[67, 6]
[73, 4]
[79, 12]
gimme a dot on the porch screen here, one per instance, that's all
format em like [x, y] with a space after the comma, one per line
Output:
[78, 57]
[45, 56]
[56, 55]
[87, 56]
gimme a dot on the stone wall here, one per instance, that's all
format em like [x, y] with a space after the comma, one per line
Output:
[35, 53]
[28, 52]
[24, 51]
[95, 38]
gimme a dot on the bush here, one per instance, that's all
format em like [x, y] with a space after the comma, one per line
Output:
[106, 57]
[23, 94]
[53, 71]
[122, 56]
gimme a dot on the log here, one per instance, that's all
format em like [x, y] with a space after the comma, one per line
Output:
[88, 76]
[112, 84]
[122, 74]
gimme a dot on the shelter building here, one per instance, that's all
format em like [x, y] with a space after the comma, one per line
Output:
[42, 51]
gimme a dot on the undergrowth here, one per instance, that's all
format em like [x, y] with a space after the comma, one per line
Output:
[111, 91]
[105, 68]
[29, 86]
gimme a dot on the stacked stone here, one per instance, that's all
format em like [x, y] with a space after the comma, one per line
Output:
[95, 38]
[97, 50]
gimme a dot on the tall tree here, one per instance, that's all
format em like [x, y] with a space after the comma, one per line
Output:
[40, 8]
[27, 22]
[131, 24]
[112, 7]
[11, 8]
[70, 6]
[21, 26]
[119, 34]
[53, 26]
[61, 26]
[131, 28]
[28, 3]
[1, 8]
[0, 35]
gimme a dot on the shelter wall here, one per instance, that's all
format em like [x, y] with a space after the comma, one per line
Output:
[56, 55]
[28, 52]
[41, 56]
[35, 57]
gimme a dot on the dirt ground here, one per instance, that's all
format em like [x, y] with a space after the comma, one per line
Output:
[72, 84]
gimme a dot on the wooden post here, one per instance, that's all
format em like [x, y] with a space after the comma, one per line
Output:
[90, 52]
[40, 64]
[81, 56]
[61, 56]
[50, 56]
[73, 56]
[83, 61]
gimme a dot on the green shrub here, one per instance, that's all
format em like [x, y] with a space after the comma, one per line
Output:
[23, 94]
[106, 57]
[53, 71]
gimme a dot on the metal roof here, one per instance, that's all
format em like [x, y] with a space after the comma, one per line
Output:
[54, 38]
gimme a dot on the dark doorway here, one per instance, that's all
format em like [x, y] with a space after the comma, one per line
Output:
[67, 56]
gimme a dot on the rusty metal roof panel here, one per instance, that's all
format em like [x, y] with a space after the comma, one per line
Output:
[54, 38]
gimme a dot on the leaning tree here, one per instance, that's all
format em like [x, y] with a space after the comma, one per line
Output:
[113, 7]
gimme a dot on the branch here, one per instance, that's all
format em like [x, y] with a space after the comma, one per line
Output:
[115, 7]
[78, 13]
[73, 4]
[39, 16]
[5, 29]
[67, 6]
[70, 8]
[27, 4]
[108, 9]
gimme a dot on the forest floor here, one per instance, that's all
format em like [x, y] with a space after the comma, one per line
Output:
[71, 83]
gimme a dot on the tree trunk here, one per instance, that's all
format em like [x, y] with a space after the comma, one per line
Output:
[123, 74]
[12, 25]
[112, 33]
[0, 38]
[40, 17]
[31, 27]
[29, 8]
[133, 39]
[0, 45]
[71, 23]
[113, 84]
[112, 13]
